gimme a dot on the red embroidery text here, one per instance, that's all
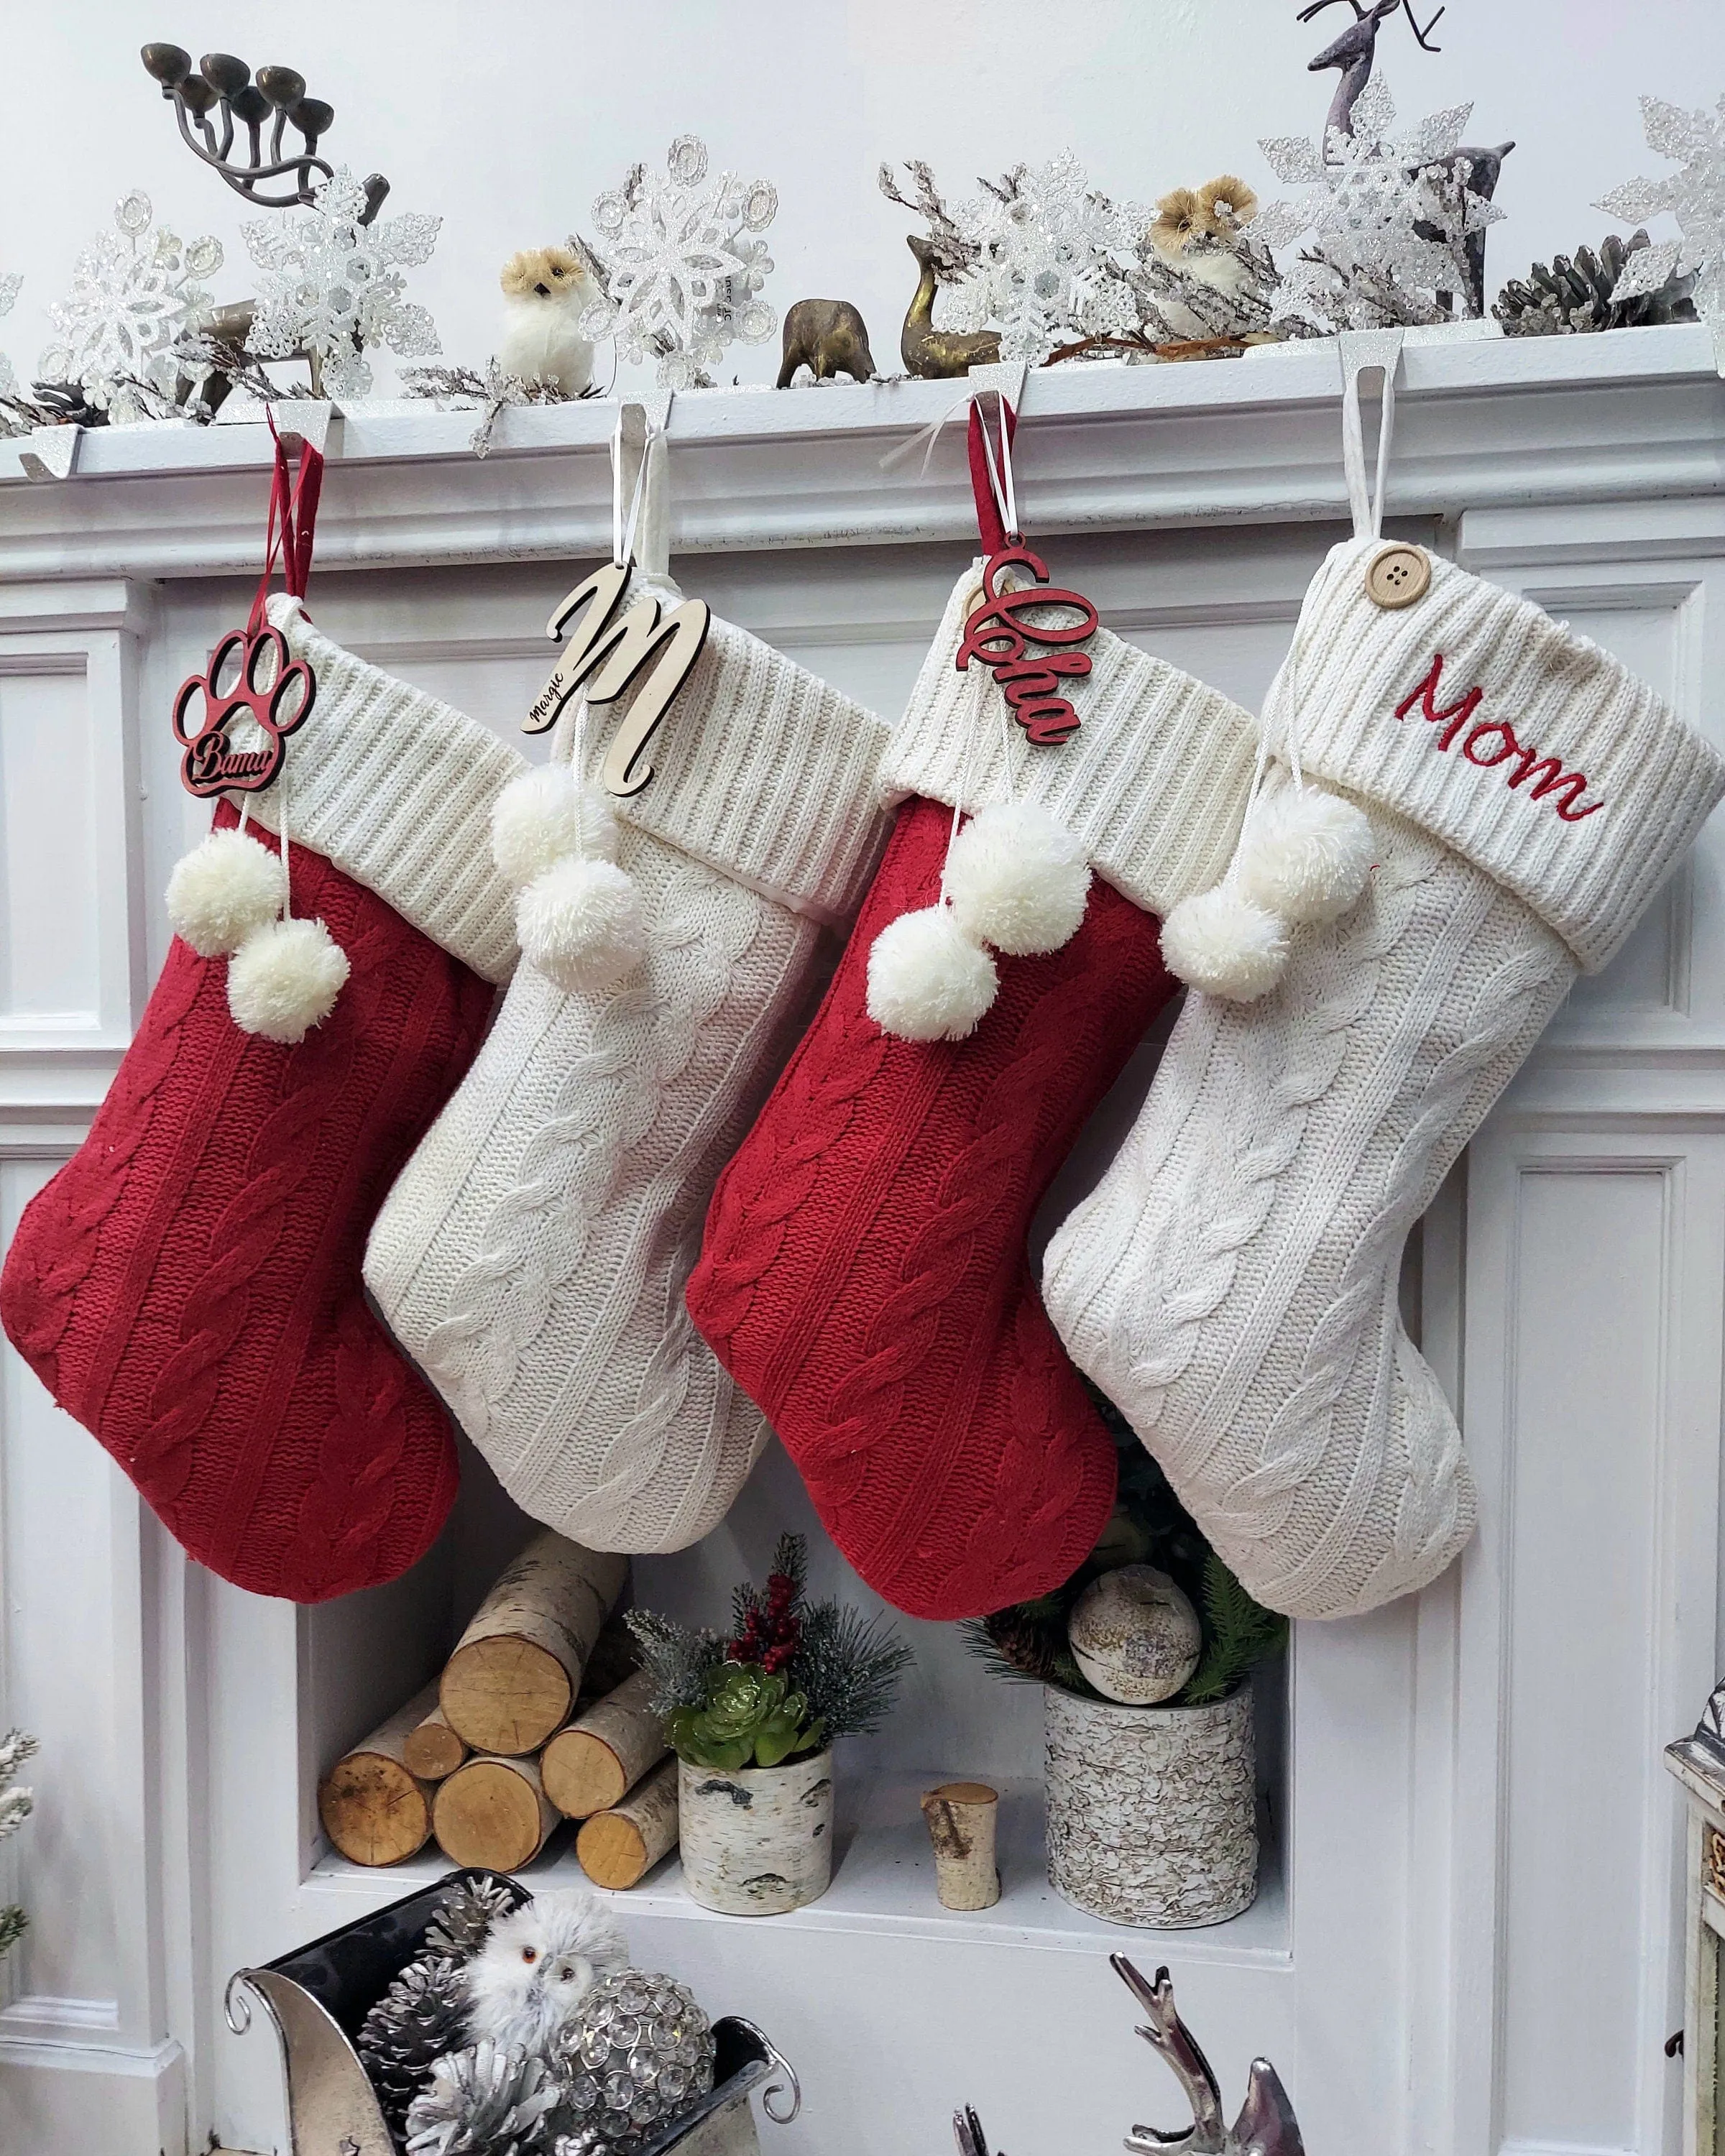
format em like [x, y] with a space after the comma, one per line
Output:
[1493, 743]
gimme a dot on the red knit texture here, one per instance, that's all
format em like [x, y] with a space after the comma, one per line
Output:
[865, 1279]
[188, 1286]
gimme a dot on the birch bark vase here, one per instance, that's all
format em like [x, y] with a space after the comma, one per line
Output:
[1152, 1810]
[758, 1841]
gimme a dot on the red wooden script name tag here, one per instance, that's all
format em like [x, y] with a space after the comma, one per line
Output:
[250, 676]
[999, 634]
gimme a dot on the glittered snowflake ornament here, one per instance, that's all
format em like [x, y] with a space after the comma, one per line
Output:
[1390, 221]
[1695, 196]
[1041, 237]
[683, 265]
[332, 286]
[134, 291]
[8, 294]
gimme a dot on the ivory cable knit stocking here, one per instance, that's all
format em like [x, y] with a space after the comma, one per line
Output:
[865, 1277]
[532, 1256]
[188, 1286]
[1232, 1282]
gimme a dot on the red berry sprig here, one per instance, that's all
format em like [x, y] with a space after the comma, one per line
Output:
[771, 1633]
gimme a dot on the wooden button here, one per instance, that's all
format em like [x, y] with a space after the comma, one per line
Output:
[1397, 576]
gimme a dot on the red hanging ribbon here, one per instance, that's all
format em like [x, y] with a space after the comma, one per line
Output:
[293, 520]
[989, 522]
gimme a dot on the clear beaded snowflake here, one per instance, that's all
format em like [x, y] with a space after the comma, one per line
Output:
[1695, 196]
[8, 294]
[1042, 240]
[331, 286]
[682, 265]
[134, 291]
[1388, 221]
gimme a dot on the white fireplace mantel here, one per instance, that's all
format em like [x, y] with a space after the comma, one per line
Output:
[1468, 1938]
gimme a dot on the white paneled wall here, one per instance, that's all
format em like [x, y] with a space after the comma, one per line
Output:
[1466, 1943]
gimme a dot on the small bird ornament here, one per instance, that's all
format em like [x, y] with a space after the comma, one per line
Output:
[544, 290]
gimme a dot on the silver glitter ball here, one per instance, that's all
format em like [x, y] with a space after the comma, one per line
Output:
[638, 2055]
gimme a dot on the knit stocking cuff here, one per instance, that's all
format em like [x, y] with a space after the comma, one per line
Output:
[1153, 784]
[396, 788]
[763, 771]
[1532, 752]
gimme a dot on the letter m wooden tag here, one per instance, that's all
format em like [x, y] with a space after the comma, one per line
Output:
[609, 651]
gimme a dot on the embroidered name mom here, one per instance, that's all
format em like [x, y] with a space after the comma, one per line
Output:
[1492, 744]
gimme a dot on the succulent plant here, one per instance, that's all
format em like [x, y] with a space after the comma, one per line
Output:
[1577, 296]
[751, 1718]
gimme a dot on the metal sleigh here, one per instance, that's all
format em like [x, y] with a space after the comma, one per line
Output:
[317, 1997]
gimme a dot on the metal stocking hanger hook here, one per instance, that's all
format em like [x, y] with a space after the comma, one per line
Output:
[614, 649]
[1008, 620]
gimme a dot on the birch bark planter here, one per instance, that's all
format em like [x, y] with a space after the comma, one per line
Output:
[758, 1842]
[1152, 1810]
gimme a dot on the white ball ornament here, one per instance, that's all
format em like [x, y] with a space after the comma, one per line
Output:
[1018, 879]
[223, 890]
[580, 923]
[1306, 856]
[1222, 945]
[544, 815]
[284, 978]
[927, 980]
[1135, 1635]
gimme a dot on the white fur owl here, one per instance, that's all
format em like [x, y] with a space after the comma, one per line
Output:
[536, 1966]
[545, 289]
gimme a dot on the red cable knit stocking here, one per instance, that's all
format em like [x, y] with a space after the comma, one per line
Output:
[188, 1286]
[864, 1278]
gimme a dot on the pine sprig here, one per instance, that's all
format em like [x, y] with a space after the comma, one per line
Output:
[678, 1661]
[847, 1667]
[1238, 1634]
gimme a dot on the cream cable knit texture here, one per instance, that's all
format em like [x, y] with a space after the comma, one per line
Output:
[1232, 1281]
[532, 1255]
[1153, 784]
[396, 788]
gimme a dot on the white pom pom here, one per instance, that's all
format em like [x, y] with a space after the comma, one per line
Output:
[927, 980]
[1018, 879]
[1222, 945]
[580, 923]
[223, 890]
[284, 978]
[1306, 856]
[545, 815]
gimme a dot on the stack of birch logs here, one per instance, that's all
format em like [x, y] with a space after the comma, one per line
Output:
[540, 1714]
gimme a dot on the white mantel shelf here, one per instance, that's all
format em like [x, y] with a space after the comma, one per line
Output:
[1489, 423]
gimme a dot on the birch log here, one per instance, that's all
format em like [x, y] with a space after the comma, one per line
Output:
[374, 1808]
[619, 1847]
[517, 1669]
[434, 1749]
[594, 1764]
[960, 1817]
[759, 1841]
[493, 1813]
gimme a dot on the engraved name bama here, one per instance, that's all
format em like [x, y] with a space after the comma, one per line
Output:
[1550, 781]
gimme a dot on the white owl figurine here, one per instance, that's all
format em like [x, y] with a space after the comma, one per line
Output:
[545, 289]
[536, 1966]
